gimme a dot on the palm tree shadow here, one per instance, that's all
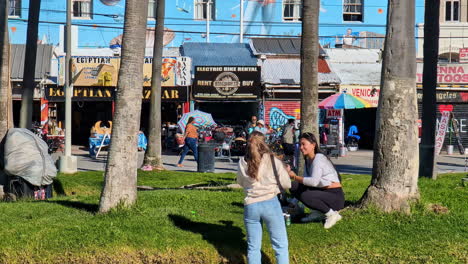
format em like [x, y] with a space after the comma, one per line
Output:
[228, 239]
[90, 208]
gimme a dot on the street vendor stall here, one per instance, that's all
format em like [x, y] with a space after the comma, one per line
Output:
[335, 105]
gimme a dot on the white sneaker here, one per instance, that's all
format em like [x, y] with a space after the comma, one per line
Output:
[332, 218]
[314, 216]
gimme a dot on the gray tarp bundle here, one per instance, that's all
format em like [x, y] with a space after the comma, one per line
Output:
[26, 156]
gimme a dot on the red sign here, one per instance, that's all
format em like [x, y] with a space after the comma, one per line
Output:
[455, 73]
[463, 54]
[334, 113]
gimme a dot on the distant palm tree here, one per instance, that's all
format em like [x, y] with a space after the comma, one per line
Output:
[153, 155]
[5, 91]
[29, 84]
[121, 170]
[309, 69]
[395, 170]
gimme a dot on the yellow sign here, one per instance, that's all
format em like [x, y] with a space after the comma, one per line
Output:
[103, 71]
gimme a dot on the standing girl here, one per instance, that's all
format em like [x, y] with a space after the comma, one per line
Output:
[256, 175]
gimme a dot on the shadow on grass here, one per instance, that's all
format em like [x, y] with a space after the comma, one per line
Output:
[58, 187]
[90, 208]
[228, 239]
[241, 205]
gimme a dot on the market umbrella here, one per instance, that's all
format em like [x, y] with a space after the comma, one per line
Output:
[343, 101]
[202, 119]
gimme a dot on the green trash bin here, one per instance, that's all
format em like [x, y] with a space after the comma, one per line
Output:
[206, 157]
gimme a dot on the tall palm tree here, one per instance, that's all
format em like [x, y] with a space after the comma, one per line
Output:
[5, 91]
[429, 112]
[121, 170]
[30, 64]
[395, 170]
[153, 153]
[309, 69]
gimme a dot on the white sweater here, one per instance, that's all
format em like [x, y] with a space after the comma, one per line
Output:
[266, 186]
[320, 172]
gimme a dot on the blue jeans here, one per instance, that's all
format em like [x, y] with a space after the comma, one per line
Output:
[270, 213]
[190, 143]
[250, 15]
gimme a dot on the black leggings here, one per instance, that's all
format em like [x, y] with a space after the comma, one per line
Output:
[318, 199]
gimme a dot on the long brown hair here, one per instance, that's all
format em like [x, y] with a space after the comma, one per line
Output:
[256, 148]
[312, 139]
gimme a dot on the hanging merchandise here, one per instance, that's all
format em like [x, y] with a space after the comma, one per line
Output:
[455, 126]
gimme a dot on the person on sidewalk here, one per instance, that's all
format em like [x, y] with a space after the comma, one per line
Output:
[320, 187]
[261, 205]
[288, 140]
[191, 139]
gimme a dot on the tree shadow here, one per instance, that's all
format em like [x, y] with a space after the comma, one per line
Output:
[228, 239]
[241, 205]
[90, 208]
[58, 187]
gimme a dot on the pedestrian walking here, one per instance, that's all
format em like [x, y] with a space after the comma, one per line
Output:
[257, 176]
[320, 188]
[191, 139]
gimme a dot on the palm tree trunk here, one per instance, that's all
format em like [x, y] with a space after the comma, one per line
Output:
[5, 90]
[309, 69]
[153, 153]
[396, 155]
[121, 170]
[429, 111]
[27, 97]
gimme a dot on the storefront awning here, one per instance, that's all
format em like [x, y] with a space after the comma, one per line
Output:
[288, 72]
[219, 54]
[43, 60]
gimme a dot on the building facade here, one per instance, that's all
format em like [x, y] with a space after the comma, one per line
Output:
[349, 22]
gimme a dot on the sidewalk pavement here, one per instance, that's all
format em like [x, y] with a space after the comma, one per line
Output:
[358, 162]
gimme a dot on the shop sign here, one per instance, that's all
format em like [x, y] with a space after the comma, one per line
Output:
[463, 53]
[176, 94]
[450, 73]
[226, 82]
[443, 125]
[81, 93]
[368, 93]
[334, 113]
[103, 71]
[447, 96]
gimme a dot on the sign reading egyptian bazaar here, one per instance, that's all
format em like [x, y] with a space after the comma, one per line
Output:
[103, 71]
[93, 93]
[226, 82]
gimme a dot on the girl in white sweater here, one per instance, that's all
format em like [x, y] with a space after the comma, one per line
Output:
[257, 177]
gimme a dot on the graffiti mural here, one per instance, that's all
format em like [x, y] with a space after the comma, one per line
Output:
[278, 118]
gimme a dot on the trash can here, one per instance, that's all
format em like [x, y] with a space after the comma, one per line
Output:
[206, 157]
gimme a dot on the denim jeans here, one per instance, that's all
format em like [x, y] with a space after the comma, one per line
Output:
[250, 15]
[270, 213]
[190, 143]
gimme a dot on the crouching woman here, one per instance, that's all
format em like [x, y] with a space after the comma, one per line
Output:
[320, 187]
[256, 175]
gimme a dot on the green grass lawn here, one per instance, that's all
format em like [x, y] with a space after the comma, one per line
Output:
[172, 225]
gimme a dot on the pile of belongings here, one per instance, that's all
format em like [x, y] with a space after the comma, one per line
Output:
[28, 169]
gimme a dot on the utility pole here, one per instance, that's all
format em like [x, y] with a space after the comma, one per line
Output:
[427, 158]
[208, 17]
[241, 38]
[68, 163]
[29, 84]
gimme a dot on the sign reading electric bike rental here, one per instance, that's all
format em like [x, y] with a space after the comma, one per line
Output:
[227, 82]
